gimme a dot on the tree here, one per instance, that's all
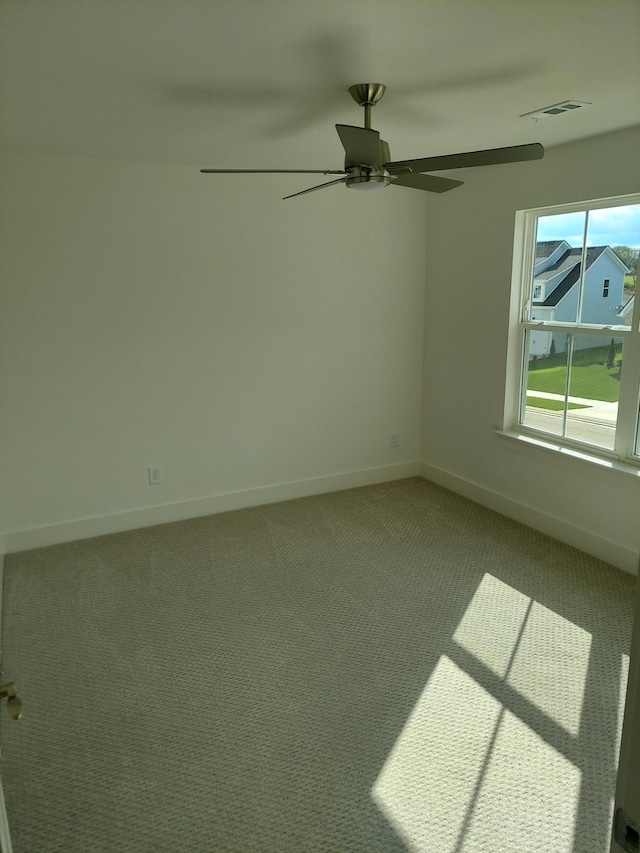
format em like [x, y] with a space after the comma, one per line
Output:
[611, 357]
[552, 348]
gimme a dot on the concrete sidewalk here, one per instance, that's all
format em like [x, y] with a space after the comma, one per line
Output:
[598, 411]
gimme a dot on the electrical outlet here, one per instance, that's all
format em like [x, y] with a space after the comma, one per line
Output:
[394, 440]
[155, 476]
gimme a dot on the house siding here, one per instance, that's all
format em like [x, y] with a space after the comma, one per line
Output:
[595, 307]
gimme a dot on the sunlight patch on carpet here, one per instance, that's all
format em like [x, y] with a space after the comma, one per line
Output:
[550, 666]
[468, 772]
[492, 623]
[430, 776]
[539, 653]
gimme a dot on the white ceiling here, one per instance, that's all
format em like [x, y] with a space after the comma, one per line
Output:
[261, 83]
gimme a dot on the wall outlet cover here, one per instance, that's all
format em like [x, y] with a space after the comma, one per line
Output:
[155, 476]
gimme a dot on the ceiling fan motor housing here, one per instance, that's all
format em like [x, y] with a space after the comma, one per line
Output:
[369, 177]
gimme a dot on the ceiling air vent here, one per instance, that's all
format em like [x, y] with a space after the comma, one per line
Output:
[556, 109]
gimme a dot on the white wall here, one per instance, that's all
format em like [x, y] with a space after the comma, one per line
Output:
[152, 315]
[469, 266]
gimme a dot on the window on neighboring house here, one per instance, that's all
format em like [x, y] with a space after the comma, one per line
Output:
[579, 357]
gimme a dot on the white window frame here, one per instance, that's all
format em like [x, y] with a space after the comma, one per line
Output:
[627, 426]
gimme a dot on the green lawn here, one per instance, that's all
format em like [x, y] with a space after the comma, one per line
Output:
[552, 405]
[590, 377]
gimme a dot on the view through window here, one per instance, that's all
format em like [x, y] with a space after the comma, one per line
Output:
[579, 326]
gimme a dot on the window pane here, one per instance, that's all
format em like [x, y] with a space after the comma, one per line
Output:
[613, 237]
[583, 278]
[594, 387]
[546, 379]
[584, 408]
[556, 273]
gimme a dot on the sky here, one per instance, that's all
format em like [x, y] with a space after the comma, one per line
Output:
[612, 226]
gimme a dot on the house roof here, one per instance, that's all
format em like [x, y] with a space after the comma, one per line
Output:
[544, 248]
[570, 261]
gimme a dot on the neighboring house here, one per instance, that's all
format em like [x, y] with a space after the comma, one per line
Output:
[555, 291]
[626, 312]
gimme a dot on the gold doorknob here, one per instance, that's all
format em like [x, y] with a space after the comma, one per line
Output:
[14, 703]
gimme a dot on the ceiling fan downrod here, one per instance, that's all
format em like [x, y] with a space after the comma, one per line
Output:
[367, 95]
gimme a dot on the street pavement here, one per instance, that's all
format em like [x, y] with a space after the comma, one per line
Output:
[594, 424]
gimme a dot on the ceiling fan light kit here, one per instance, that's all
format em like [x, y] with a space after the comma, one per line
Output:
[368, 163]
[368, 181]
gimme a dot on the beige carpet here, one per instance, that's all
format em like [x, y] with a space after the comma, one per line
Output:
[391, 668]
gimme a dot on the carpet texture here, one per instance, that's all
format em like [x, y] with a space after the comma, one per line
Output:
[391, 668]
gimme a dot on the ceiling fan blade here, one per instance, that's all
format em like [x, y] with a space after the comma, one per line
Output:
[490, 157]
[275, 171]
[430, 183]
[361, 145]
[313, 189]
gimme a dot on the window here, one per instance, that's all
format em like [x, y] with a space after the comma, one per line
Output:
[578, 351]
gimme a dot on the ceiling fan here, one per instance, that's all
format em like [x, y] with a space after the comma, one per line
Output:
[368, 163]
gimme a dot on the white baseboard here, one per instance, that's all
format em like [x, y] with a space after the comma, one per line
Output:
[584, 540]
[36, 537]
[85, 528]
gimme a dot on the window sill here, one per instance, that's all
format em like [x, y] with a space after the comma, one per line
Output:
[533, 445]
